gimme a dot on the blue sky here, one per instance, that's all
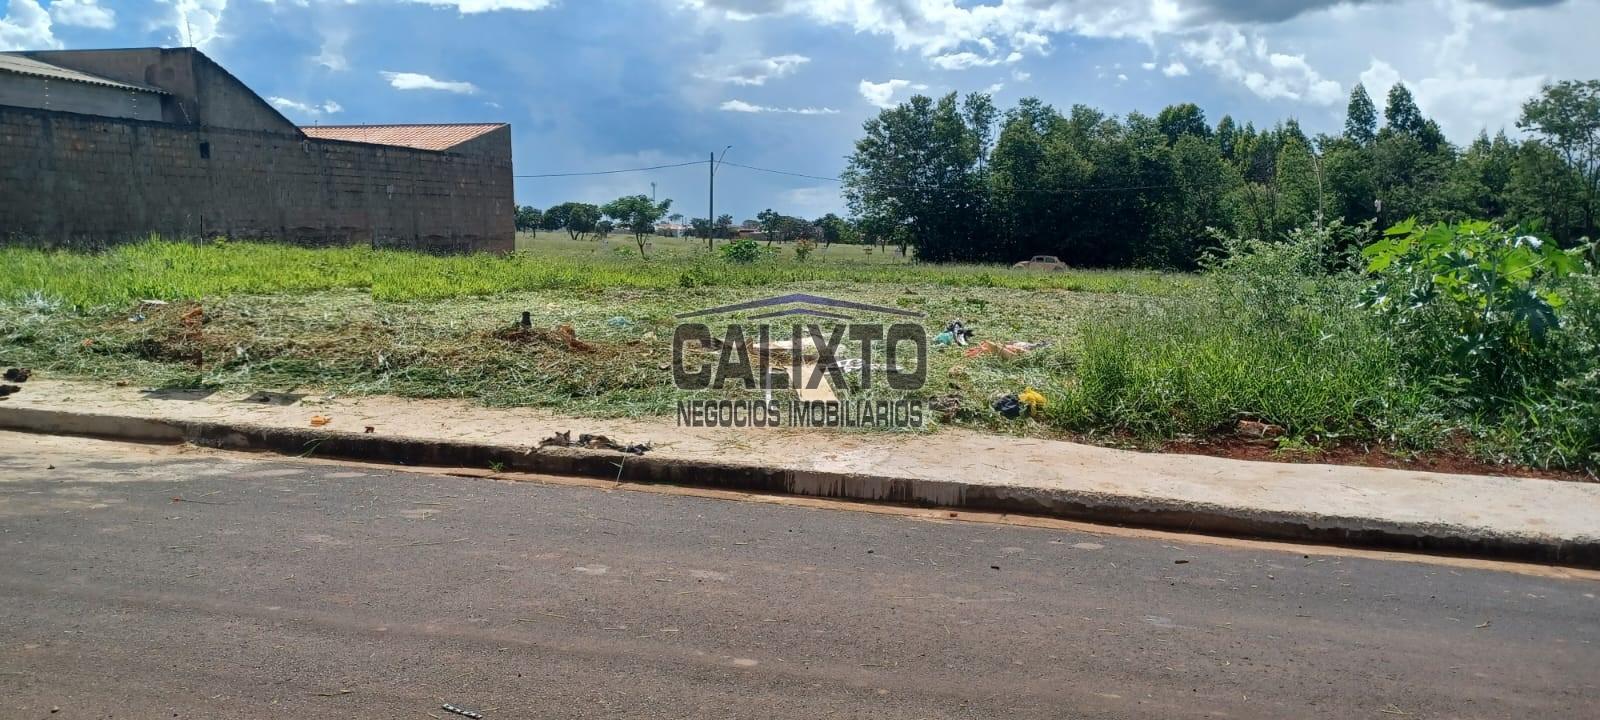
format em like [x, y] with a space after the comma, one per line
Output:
[604, 84]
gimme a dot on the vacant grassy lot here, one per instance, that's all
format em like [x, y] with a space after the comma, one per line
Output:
[358, 321]
[1131, 357]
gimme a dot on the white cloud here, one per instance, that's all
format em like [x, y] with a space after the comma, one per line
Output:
[26, 26]
[744, 107]
[83, 13]
[812, 202]
[418, 81]
[1461, 100]
[964, 60]
[1317, 47]
[1148, 65]
[1021, 75]
[756, 72]
[197, 23]
[940, 27]
[994, 88]
[331, 55]
[468, 7]
[306, 109]
[882, 94]
[1378, 78]
[1270, 75]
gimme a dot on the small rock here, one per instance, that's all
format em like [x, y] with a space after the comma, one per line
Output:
[1257, 430]
[18, 375]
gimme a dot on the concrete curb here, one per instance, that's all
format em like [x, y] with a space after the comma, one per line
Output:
[1159, 513]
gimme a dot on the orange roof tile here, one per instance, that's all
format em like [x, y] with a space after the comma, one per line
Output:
[424, 137]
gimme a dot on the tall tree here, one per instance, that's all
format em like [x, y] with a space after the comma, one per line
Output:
[528, 218]
[1227, 134]
[579, 219]
[1361, 117]
[916, 171]
[1183, 119]
[638, 214]
[1566, 117]
[1401, 114]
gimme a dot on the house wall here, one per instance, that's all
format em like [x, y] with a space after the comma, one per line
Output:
[48, 94]
[201, 91]
[88, 181]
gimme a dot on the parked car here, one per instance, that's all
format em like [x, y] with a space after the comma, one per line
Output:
[1042, 262]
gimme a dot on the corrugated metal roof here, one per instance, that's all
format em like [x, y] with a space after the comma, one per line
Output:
[423, 137]
[24, 65]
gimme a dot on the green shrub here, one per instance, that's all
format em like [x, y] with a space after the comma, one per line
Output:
[1270, 335]
[1476, 308]
[803, 248]
[741, 251]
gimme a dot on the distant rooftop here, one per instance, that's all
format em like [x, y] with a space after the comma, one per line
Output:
[422, 137]
[24, 65]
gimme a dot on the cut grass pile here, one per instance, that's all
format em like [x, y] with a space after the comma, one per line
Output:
[349, 342]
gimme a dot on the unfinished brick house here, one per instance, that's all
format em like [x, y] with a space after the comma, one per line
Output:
[105, 146]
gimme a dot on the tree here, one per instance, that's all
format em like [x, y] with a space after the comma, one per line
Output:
[528, 218]
[917, 175]
[1226, 135]
[579, 219]
[1403, 117]
[552, 220]
[1098, 190]
[1401, 114]
[1184, 119]
[832, 228]
[638, 215]
[724, 226]
[1299, 193]
[1566, 117]
[603, 229]
[769, 220]
[1361, 117]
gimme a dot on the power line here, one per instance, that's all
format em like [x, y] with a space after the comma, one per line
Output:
[612, 172]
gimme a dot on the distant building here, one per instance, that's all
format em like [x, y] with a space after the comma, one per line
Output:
[104, 146]
[672, 229]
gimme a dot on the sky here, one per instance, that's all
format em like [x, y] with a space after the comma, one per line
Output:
[595, 85]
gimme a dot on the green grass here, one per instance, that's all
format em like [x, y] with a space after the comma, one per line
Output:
[350, 342]
[176, 271]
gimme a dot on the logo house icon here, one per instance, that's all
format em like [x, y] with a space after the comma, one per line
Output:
[819, 360]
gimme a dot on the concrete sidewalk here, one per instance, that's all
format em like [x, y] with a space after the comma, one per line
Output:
[1543, 520]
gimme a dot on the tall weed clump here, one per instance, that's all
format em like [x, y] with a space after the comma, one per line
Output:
[1503, 328]
[1270, 334]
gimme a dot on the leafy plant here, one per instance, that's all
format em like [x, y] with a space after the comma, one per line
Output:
[803, 249]
[743, 251]
[1475, 303]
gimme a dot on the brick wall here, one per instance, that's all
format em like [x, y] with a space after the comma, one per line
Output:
[88, 181]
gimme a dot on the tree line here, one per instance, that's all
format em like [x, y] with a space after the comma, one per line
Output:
[959, 180]
[641, 216]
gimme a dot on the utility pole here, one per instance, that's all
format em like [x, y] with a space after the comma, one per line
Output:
[711, 202]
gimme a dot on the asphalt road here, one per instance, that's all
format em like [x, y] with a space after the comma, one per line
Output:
[279, 588]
